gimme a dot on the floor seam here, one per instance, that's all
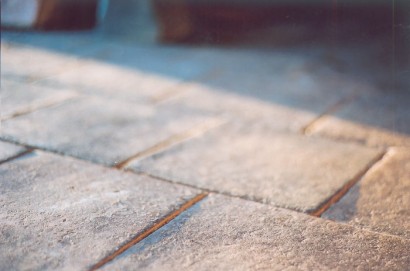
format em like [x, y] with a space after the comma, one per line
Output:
[345, 188]
[308, 129]
[18, 155]
[150, 230]
[171, 141]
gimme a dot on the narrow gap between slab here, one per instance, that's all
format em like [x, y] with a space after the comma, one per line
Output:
[342, 191]
[171, 141]
[49, 104]
[149, 230]
[20, 154]
[308, 129]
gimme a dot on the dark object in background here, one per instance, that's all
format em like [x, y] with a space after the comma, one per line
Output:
[49, 14]
[67, 14]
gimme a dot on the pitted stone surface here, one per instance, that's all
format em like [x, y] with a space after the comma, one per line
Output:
[221, 233]
[59, 213]
[8, 150]
[25, 63]
[279, 168]
[18, 98]
[381, 200]
[378, 119]
[102, 130]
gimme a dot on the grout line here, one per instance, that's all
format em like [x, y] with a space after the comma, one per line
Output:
[29, 150]
[148, 231]
[49, 104]
[342, 191]
[171, 141]
[308, 129]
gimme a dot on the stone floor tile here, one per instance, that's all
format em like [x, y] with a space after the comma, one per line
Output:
[381, 119]
[246, 111]
[59, 213]
[221, 233]
[102, 130]
[18, 98]
[19, 62]
[8, 150]
[100, 78]
[298, 81]
[283, 169]
[381, 200]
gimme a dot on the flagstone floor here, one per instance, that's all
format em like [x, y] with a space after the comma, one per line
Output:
[119, 155]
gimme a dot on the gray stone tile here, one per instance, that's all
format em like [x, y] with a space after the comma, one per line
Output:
[283, 169]
[221, 233]
[242, 110]
[103, 79]
[8, 150]
[59, 213]
[25, 63]
[377, 119]
[302, 79]
[18, 98]
[102, 130]
[380, 201]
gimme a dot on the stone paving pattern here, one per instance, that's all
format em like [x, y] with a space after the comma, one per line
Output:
[251, 236]
[61, 213]
[289, 131]
[380, 202]
[283, 169]
[19, 98]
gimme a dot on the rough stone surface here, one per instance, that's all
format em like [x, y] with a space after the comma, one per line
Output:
[378, 119]
[221, 233]
[279, 168]
[8, 150]
[18, 98]
[102, 130]
[58, 213]
[381, 200]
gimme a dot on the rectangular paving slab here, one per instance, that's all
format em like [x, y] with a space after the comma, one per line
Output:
[8, 150]
[381, 200]
[221, 233]
[377, 119]
[20, 98]
[283, 169]
[114, 81]
[102, 130]
[59, 213]
[243, 110]
[300, 80]
[30, 63]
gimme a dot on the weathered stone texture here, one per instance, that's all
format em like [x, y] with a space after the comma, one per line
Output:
[58, 213]
[221, 233]
[283, 169]
[8, 150]
[102, 130]
[381, 200]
